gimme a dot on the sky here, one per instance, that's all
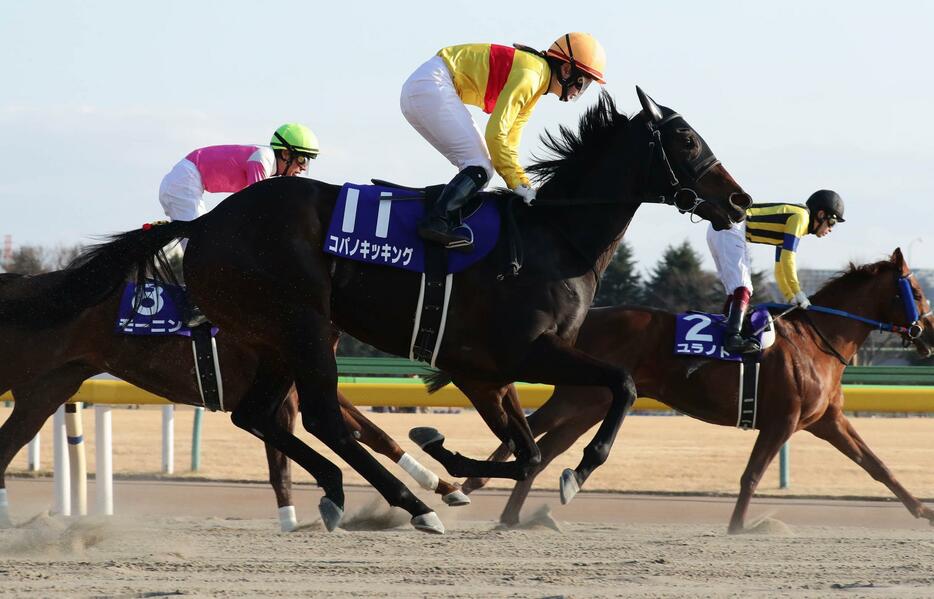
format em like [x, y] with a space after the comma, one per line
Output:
[98, 100]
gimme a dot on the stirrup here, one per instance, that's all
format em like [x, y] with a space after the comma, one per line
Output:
[447, 237]
[735, 343]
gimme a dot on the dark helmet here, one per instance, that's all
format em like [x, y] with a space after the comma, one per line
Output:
[828, 201]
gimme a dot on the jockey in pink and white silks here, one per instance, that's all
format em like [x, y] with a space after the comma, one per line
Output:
[506, 83]
[230, 168]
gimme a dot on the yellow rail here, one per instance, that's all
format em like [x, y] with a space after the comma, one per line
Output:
[858, 398]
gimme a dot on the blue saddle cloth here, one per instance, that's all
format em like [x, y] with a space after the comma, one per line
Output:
[700, 334]
[377, 225]
[159, 312]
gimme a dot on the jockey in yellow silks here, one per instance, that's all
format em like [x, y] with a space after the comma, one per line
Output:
[505, 82]
[781, 225]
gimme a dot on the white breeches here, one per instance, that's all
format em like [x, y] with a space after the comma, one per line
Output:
[731, 255]
[430, 103]
[181, 192]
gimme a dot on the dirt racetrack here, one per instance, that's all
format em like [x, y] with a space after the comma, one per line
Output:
[206, 539]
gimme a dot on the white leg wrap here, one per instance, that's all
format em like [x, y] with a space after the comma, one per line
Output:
[287, 520]
[423, 476]
[4, 508]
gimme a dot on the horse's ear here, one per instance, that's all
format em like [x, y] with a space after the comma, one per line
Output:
[899, 260]
[649, 105]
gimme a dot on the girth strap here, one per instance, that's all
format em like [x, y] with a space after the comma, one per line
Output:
[207, 368]
[431, 311]
[748, 392]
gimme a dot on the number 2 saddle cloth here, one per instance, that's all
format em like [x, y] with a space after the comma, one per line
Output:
[700, 334]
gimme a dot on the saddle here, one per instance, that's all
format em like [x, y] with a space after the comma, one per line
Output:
[159, 310]
[700, 334]
[377, 224]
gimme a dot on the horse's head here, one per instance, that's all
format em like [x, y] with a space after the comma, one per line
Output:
[682, 169]
[911, 309]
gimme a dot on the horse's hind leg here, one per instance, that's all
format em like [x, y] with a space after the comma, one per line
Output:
[34, 403]
[315, 369]
[837, 430]
[767, 444]
[280, 466]
[257, 414]
[376, 439]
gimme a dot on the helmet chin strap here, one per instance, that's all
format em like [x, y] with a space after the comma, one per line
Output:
[292, 155]
[567, 82]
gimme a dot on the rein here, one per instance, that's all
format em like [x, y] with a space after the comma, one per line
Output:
[909, 333]
[875, 324]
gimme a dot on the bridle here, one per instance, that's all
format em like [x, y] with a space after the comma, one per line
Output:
[910, 333]
[681, 196]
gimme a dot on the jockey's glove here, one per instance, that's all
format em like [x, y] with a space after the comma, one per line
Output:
[526, 193]
[801, 300]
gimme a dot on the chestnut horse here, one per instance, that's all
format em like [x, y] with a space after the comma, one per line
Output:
[799, 378]
[43, 369]
[256, 266]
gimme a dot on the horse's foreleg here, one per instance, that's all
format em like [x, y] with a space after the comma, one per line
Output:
[365, 431]
[556, 441]
[257, 413]
[767, 444]
[558, 409]
[553, 361]
[837, 430]
[280, 471]
[507, 425]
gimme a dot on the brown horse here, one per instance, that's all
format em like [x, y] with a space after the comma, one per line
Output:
[799, 379]
[43, 369]
[256, 266]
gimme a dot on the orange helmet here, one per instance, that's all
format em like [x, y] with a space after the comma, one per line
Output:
[583, 51]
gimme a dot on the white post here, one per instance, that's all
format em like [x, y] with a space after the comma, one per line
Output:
[32, 453]
[103, 477]
[168, 439]
[60, 471]
[77, 459]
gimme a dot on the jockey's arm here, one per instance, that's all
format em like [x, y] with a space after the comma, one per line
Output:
[261, 165]
[786, 270]
[504, 129]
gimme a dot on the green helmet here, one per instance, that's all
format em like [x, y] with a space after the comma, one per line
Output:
[295, 138]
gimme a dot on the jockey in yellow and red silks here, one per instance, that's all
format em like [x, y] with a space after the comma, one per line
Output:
[505, 82]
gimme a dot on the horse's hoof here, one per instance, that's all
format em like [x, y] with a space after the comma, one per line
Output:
[425, 436]
[568, 485]
[331, 514]
[456, 498]
[429, 522]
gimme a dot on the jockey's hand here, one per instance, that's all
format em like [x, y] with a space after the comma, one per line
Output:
[526, 193]
[801, 300]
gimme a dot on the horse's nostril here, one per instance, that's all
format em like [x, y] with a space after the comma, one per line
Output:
[742, 201]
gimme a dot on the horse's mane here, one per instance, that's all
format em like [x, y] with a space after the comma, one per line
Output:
[853, 274]
[570, 153]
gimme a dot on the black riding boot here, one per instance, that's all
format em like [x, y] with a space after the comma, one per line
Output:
[436, 227]
[733, 341]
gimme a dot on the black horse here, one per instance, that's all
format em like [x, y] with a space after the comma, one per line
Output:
[256, 267]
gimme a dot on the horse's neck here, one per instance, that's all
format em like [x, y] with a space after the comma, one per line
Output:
[592, 233]
[848, 335]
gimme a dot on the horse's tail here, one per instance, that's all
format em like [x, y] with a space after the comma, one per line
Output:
[436, 380]
[94, 275]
